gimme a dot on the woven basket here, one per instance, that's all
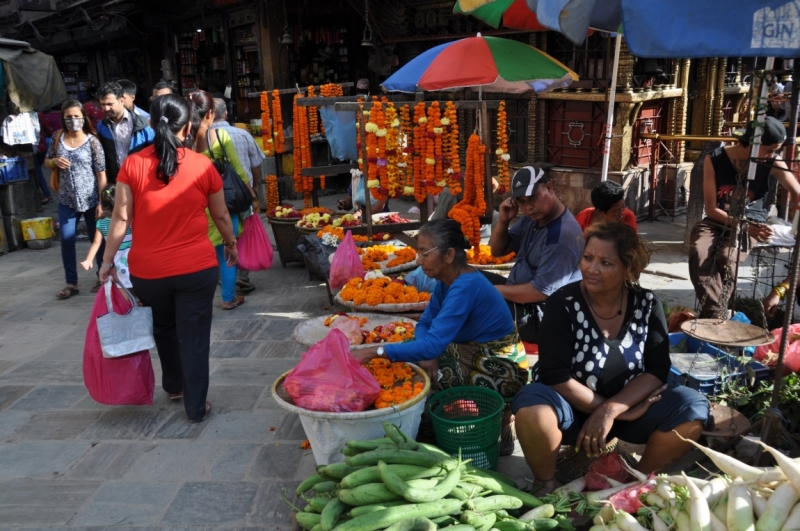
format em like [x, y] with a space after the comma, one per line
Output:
[387, 308]
[572, 465]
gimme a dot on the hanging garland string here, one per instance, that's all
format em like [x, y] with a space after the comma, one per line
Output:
[450, 123]
[502, 149]
[420, 150]
[392, 151]
[302, 152]
[468, 211]
[406, 165]
[267, 142]
[433, 157]
[273, 198]
[313, 119]
[277, 132]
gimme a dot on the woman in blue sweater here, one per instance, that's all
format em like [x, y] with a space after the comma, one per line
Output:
[466, 332]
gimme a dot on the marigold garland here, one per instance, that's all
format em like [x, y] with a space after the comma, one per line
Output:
[433, 151]
[405, 166]
[301, 153]
[485, 256]
[469, 210]
[331, 90]
[277, 123]
[377, 173]
[313, 118]
[273, 198]
[502, 149]
[381, 291]
[392, 151]
[395, 380]
[267, 142]
[451, 132]
[402, 256]
[419, 151]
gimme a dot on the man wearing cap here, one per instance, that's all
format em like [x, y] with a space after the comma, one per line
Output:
[713, 258]
[548, 242]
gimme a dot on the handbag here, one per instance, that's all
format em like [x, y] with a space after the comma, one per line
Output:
[54, 175]
[237, 194]
[121, 335]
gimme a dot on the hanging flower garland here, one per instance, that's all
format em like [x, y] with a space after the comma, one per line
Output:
[273, 198]
[468, 211]
[302, 152]
[313, 119]
[277, 117]
[450, 123]
[360, 135]
[267, 142]
[420, 150]
[433, 157]
[502, 149]
[405, 167]
[331, 90]
[371, 127]
[392, 150]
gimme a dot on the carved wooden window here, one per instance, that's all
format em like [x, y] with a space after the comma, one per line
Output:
[651, 119]
[574, 133]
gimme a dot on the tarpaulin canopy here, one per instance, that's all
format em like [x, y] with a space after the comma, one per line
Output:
[32, 79]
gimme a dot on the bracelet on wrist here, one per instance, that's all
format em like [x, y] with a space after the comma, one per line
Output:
[780, 291]
[231, 245]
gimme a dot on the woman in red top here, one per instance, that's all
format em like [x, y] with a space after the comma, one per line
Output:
[165, 189]
[608, 199]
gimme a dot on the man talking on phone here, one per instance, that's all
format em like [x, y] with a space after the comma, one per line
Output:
[548, 242]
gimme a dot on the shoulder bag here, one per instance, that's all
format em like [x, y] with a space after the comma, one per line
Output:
[121, 335]
[237, 194]
[54, 175]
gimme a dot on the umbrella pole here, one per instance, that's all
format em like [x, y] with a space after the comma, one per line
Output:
[612, 91]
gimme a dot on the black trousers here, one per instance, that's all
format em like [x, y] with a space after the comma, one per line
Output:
[182, 307]
[526, 316]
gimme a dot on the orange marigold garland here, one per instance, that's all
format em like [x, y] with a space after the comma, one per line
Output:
[406, 156]
[313, 118]
[433, 151]
[377, 174]
[451, 153]
[277, 124]
[392, 151]
[301, 153]
[419, 153]
[485, 256]
[381, 291]
[469, 210]
[273, 198]
[331, 90]
[267, 142]
[502, 149]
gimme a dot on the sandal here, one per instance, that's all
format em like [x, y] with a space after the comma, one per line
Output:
[97, 287]
[244, 286]
[176, 396]
[46, 201]
[208, 410]
[67, 292]
[233, 304]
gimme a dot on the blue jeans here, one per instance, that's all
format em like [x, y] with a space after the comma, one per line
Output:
[227, 274]
[68, 219]
[38, 161]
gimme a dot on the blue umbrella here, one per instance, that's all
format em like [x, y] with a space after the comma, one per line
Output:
[682, 28]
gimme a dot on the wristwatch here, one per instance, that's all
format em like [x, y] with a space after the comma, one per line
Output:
[381, 351]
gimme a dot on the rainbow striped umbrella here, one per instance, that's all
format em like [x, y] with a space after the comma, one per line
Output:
[490, 63]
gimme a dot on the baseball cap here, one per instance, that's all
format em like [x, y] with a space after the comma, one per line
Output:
[773, 133]
[526, 180]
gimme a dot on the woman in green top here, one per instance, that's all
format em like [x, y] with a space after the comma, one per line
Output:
[223, 148]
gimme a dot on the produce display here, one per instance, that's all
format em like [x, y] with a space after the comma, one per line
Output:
[315, 221]
[338, 233]
[284, 212]
[381, 291]
[384, 219]
[347, 220]
[398, 484]
[360, 332]
[402, 256]
[485, 257]
[377, 253]
[395, 378]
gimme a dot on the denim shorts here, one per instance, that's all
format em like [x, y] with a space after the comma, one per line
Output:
[677, 406]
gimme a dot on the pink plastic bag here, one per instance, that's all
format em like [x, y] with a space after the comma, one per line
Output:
[351, 328]
[768, 354]
[255, 249]
[346, 264]
[328, 378]
[119, 381]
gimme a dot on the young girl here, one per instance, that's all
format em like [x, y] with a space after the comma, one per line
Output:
[121, 258]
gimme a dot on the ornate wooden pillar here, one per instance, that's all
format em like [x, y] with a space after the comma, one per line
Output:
[622, 131]
[682, 106]
[719, 96]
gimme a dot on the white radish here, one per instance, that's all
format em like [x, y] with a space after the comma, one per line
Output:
[598, 527]
[714, 489]
[771, 476]
[727, 464]
[543, 511]
[699, 513]
[654, 500]
[659, 524]
[759, 502]
[740, 508]
[664, 515]
[682, 521]
[626, 522]
[720, 510]
[717, 524]
[787, 465]
[597, 520]
[607, 513]
[673, 511]
[665, 490]
[678, 480]
[598, 497]
[778, 507]
[793, 522]
[611, 481]
[577, 486]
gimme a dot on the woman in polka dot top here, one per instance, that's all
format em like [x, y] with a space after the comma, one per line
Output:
[603, 366]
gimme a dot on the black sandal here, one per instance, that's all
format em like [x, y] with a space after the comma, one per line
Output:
[208, 410]
[244, 286]
[67, 292]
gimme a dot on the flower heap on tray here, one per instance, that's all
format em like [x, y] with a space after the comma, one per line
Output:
[381, 291]
[371, 256]
[385, 219]
[315, 220]
[338, 233]
[394, 332]
[402, 256]
[485, 257]
[284, 212]
[396, 381]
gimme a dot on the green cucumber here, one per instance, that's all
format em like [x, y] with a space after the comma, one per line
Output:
[393, 433]
[339, 470]
[544, 524]
[307, 520]
[512, 524]
[324, 487]
[481, 522]
[317, 504]
[493, 503]
[364, 509]
[309, 482]
[459, 527]
[497, 487]
[417, 495]
[397, 457]
[386, 517]
[373, 493]
[371, 474]
[371, 444]
[413, 524]
[330, 515]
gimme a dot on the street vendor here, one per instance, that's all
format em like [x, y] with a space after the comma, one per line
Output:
[548, 242]
[466, 331]
[713, 258]
[608, 204]
[603, 366]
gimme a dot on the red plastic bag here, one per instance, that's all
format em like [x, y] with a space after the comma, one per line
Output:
[606, 466]
[128, 380]
[628, 499]
[768, 354]
[255, 249]
[346, 264]
[328, 378]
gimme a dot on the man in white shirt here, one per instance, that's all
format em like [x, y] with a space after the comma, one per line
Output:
[129, 96]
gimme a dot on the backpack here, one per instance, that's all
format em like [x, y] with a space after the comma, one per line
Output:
[237, 194]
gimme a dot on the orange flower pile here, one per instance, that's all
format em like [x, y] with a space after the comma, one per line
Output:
[313, 118]
[316, 210]
[392, 151]
[485, 256]
[331, 90]
[277, 124]
[451, 152]
[331, 318]
[302, 152]
[469, 210]
[420, 150]
[339, 233]
[433, 151]
[394, 332]
[405, 166]
[502, 149]
[267, 142]
[273, 198]
[381, 291]
[395, 380]
[372, 256]
[402, 256]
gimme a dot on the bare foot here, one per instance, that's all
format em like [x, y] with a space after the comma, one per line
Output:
[542, 489]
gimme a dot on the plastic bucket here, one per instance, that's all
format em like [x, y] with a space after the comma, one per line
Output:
[468, 418]
[328, 432]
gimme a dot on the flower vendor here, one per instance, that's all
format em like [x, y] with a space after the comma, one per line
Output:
[466, 331]
[548, 242]
[608, 204]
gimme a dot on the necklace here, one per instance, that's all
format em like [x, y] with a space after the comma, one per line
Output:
[589, 300]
